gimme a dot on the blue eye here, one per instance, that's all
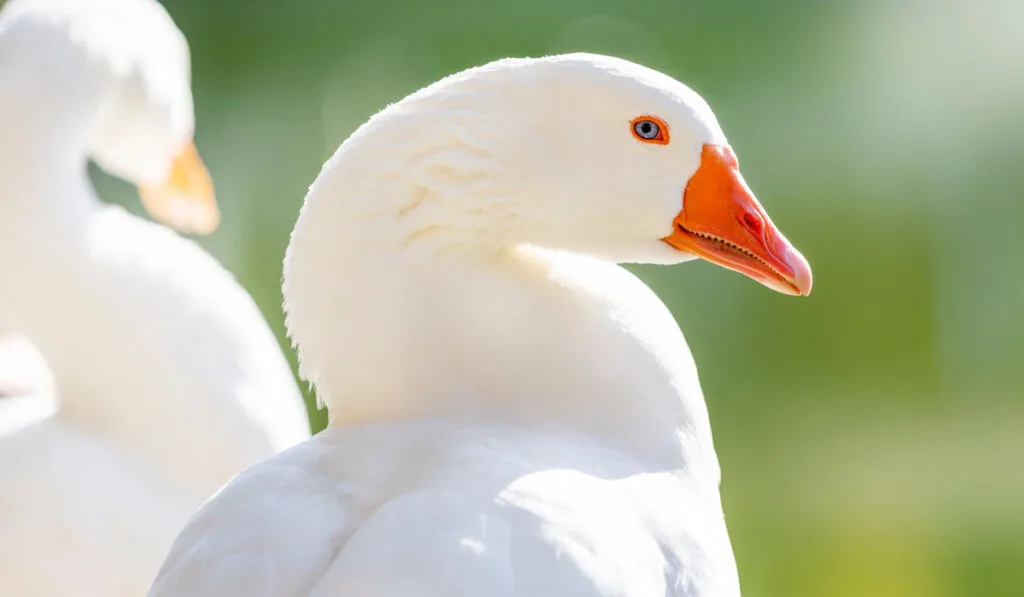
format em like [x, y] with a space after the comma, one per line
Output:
[650, 129]
[647, 129]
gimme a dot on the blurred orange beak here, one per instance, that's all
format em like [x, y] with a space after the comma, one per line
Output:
[184, 200]
[722, 222]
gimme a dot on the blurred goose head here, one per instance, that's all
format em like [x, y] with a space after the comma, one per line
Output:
[81, 78]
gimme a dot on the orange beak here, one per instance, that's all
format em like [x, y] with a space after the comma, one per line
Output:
[722, 222]
[184, 200]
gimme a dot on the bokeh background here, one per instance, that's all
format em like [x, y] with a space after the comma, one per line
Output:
[872, 435]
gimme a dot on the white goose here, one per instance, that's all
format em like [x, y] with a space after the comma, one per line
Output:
[169, 379]
[511, 412]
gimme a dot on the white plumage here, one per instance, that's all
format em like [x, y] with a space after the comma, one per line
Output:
[505, 419]
[169, 380]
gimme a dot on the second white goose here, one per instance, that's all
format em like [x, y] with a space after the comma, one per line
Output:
[169, 380]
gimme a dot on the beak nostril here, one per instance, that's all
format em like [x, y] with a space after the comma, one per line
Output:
[753, 223]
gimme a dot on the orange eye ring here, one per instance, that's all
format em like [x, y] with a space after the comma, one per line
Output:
[649, 129]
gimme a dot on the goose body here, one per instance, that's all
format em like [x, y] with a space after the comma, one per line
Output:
[167, 379]
[511, 413]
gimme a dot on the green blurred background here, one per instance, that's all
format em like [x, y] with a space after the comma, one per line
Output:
[871, 436]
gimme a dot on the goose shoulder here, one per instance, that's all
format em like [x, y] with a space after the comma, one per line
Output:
[451, 511]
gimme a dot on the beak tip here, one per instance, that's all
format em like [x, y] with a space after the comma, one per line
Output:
[802, 279]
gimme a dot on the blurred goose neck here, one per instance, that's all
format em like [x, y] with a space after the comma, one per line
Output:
[43, 165]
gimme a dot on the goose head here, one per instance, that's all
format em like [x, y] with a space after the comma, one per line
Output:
[120, 69]
[608, 158]
[580, 153]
